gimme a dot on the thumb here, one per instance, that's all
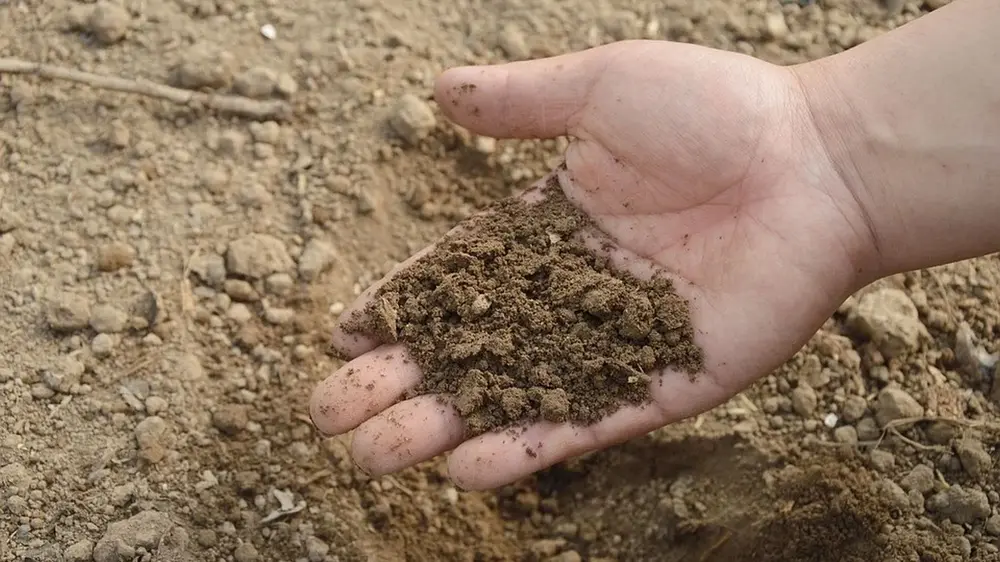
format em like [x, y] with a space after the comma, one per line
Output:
[542, 98]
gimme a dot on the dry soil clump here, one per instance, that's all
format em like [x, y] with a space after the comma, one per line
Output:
[516, 320]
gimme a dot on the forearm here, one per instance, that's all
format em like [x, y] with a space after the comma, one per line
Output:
[912, 122]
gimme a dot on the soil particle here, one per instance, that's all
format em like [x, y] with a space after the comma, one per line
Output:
[108, 22]
[804, 400]
[890, 319]
[845, 434]
[210, 268]
[853, 409]
[920, 478]
[511, 40]
[64, 375]
[518, 321]
[412, 119]
[975, 459]
[882, 461]
[108, 319]
[257, 255]
[205, 67]
[245, 553]
[231, 419]
[894, 403]
[316, 257]
[257, 82]
[114, 256]
[993, 525]
[67, 312]
[960, 505]
[144, 529]
[240, 290]
[80, 551]
[152, 435]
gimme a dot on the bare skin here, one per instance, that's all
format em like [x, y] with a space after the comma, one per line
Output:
[748, 182]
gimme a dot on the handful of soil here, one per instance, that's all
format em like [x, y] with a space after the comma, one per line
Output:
[515, 320]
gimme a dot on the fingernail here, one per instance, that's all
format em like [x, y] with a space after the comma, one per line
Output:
[368, 473]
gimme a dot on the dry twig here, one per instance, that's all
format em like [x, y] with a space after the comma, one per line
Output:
[261, 110]
[894, 425]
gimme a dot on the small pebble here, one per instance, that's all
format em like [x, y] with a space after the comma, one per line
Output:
[257, 82]
[151, 435]
[67, 312]
[279, 316]
[804, 400]
[413, 119]
[894, 403]
[80, 551]
[102, 345]
[240, 290]
[846, 434]
[245, 553]
[775, 25]
[108, 22]
[279, 284]
[961, 505]
[231, 419]
[883, 461]
[231, 143]
[239, 313]
[114, 256]
[155, 405]
[853, 409]
[975, 460]
[512, 42]
[108, 319]
[286, 85]
[316, 257]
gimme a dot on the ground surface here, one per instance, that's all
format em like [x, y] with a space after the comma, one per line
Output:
[169, 277]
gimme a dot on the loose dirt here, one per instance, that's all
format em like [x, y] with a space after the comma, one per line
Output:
[516, 320]
[170, 275]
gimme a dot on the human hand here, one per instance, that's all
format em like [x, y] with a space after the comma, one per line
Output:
[704, 163]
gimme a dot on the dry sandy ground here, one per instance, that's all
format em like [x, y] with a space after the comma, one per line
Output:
[169, 277]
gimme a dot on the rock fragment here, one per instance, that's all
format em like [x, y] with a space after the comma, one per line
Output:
[151, 435]
[258, 82]
[974, 458]
[511, 41]
[960, 505]
[204, 67]
[413, 119]
[144, 529]
[114, 256]
[315, 258]
[890, 319]
[67, 312]
[256, 256]
[231, 419]
[108, 22]
[920, 478]
[804, 400]
[894, 403]
[108, 319]
[80, 551]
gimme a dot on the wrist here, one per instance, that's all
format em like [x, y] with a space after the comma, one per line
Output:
[841, 129]
[908, 121]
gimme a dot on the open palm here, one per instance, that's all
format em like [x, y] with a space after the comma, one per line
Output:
[699, 162]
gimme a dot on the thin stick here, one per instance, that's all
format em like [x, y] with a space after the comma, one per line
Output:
[245, 107]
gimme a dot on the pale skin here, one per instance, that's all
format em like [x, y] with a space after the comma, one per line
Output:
[770, 194]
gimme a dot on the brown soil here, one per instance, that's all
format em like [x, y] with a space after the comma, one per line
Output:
[169, 278]
[515, 320]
